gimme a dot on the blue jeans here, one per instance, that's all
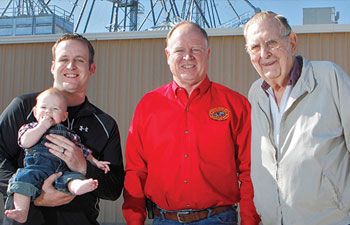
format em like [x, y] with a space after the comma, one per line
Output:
[227, 217]
[39, 164]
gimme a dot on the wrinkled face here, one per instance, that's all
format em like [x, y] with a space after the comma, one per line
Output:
[52, 106]
[70, 68]
[271, 53]
[188, 55]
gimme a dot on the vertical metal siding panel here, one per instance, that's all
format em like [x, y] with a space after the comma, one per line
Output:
[104, 90]
[24, 68]
[36, 68]
[315, 46]
[346, 59]
[333, 47]
[230, 64]
[100, 92]
[9, 72]
[327, 46]
[342, 50]
[216, 60]
[243, 69]
[5, 78]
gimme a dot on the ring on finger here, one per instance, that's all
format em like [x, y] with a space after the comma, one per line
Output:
[63, 150]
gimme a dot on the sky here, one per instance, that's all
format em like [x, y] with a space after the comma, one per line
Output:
[291, 9]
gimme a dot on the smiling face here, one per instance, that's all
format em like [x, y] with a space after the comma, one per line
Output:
[71, 68]
[273, 65]
[188, 56]
[51, 105]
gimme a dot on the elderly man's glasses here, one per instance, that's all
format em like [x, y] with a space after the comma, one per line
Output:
[270, 45]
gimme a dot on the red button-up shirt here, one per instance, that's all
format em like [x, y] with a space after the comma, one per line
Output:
[189, 152]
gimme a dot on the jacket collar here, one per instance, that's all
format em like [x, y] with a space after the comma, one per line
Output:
[305, 84]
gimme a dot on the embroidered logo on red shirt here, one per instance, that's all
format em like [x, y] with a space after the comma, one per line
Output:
[219, 113]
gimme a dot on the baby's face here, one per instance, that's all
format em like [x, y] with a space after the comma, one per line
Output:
[52, 106]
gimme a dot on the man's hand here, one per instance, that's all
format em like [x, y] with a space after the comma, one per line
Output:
[66, 150]
[50, 197]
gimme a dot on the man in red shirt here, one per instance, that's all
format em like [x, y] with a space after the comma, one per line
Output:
[189, 144]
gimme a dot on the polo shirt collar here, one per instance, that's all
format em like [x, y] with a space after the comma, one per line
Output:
[202, 88]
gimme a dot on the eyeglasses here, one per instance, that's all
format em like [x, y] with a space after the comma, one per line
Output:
[270, 45]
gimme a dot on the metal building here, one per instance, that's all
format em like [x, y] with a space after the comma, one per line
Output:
[32, 17]
[26, 17]
[325, 15]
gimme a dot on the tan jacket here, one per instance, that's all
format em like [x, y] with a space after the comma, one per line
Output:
[309, 182]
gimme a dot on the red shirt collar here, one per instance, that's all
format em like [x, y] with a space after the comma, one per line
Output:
[203, 86]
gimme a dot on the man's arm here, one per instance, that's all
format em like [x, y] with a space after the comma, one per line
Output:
[343, 96]
[13, 117]
[247, 209]
[134, 207]
[110, 184]
[30, 136]
[50, 197]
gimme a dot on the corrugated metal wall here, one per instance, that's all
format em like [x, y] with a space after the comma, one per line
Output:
[127, 69]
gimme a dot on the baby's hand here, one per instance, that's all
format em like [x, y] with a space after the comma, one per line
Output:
[46, 121]
[103, 165]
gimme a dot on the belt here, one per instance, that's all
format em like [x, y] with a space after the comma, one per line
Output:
[191, 216]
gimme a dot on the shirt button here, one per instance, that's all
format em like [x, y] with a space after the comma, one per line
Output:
[180, 89]
[188, 205]
[186, 131]
[186, 181]
[186, 108]
[186, 155]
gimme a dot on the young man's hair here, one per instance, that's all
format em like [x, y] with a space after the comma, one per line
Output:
[284, 25]
[203, 32]
[78, 37]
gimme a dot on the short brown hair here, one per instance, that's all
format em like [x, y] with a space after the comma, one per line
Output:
[78, 37]
[203, 32]
[284, 25]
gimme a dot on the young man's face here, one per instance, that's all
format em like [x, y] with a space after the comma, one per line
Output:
[53, 106]
[70, 68]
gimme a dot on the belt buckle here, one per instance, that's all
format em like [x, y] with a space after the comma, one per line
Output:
[178, 214]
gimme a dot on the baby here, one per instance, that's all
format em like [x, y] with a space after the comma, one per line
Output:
[25, 185]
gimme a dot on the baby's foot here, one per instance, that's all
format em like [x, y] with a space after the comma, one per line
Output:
[79, 187]
[20, 215]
